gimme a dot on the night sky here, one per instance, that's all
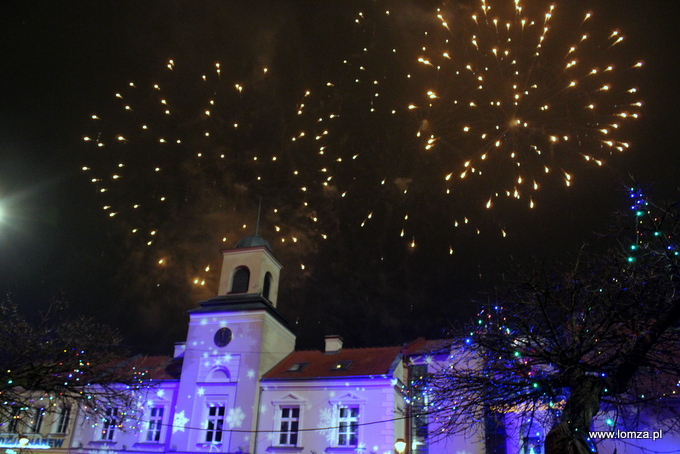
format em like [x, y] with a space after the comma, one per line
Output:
[65, 61]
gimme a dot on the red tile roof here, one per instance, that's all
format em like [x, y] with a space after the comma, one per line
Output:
[362, 362]
[421, 346]
[152, 367]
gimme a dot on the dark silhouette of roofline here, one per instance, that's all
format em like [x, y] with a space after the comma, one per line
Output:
[241, 302]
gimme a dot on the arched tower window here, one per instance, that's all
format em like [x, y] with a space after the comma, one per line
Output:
[240, 280]
[219, 374]
[267, 285]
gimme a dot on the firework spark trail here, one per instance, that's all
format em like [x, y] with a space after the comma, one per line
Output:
[463, 109]
[172, 157]
[428, 119]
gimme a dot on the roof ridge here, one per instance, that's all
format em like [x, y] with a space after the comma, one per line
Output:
[371, 348]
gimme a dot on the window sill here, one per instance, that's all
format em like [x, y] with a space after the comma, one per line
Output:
[285, 449]
[343, 449]
[207, 444]
[102, 442]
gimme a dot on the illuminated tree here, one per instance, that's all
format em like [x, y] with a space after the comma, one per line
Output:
[560, 348]
[60, 363]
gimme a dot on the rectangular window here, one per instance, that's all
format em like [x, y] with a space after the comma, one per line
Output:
[36, 422]
[342, 365]
[153, 432]
[348, 426]
[289, 426]
[215, 428]
[63, 419]
[110, 422]
[298, 367]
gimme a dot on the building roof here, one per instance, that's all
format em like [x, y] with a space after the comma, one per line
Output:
[252, 241]
[154, 367]
[147, 367]
[240, 302]
[422, 346]
[355, 362]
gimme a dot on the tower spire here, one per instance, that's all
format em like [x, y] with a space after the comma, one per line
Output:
[257, 225]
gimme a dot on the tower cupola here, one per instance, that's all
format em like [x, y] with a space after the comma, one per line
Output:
[250, 268]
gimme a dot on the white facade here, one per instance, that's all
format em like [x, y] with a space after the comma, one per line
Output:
[320, 403]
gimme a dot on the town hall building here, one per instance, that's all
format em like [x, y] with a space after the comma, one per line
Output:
[237, 385]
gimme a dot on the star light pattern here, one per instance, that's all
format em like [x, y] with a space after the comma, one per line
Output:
[326, 421]
[179, 422]
[462, 108]
[235, 417]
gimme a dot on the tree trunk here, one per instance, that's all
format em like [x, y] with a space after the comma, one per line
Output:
[570, 436]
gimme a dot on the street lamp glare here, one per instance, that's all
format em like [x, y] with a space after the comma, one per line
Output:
[400, 445]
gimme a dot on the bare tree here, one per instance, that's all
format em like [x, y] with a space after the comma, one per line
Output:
[566, 346]
[57, 363]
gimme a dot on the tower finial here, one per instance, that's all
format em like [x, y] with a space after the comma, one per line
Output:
[257, 225]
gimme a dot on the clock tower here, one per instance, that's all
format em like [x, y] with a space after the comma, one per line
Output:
[233, 339]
